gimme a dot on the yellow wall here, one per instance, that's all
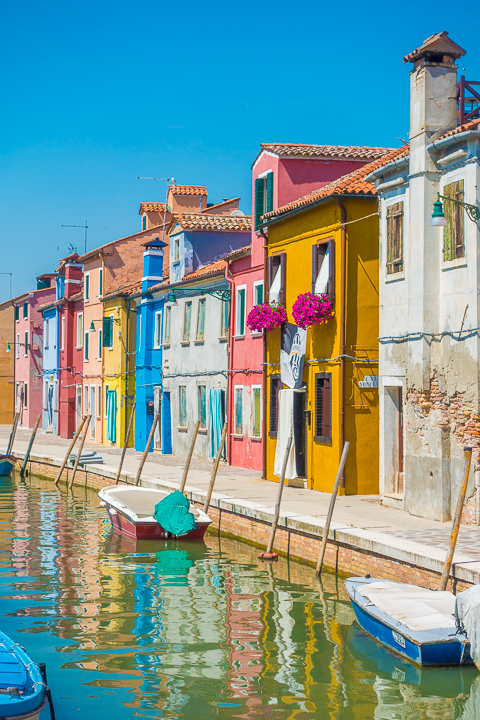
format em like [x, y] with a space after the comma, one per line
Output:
[115, 367]
[295, 236]
[7, 361]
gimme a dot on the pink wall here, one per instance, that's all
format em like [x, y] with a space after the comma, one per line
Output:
[28, 366]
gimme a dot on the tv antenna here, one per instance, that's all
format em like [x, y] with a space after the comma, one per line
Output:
[167, 180]
[80, 226]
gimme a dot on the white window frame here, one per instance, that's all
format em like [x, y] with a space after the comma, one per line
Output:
[168, 315]
[235, 388]
[157, 330]
[238, 289]
[17, 349]
[105, 401]
[25, 395]
[87, 287]
[99, 402]
[45, 394]
[62, 346]
[253, 388]
[27, 341]
[256, 284]
[86, 399]
[46, 333]
[79, 337]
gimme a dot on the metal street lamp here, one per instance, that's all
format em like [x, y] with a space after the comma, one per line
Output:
[438, 216]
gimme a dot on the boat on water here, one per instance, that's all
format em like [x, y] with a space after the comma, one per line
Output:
[133, 512]
[7, 463]
[23, 693]
[414, 622]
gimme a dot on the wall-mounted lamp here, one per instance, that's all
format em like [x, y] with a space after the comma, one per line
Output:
[438, 216]
[172, 299]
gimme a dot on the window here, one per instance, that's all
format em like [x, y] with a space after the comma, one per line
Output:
[55, 395]
[45, 394]
[99, 402]
[26, 343]
[395, 238]
[86, 347]
[323, 407]
[187, 317]
[168, 323]
[202, 405]
[62, 347]
[256, 411]
[275, 385]
[17, 349]
[238, 410]
[87, 287]
[258, 292]
[54, 334]
[107, 327]
[263, 197]
[277, 266]
[176, 249]
[46, 333]
[25, 395]
[17, 313]
[201, 319]
[25, 309]
[182, 405]
[323, 268]
[157, 330]
[144, 222]
[100, 282]
[79, 330]
[225, 310]
[106, 396]
[453, 232]
[99, 346]
[240, 311]
[93, 405]
[85, 400]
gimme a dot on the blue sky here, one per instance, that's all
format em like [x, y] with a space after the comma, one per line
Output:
[97, 93]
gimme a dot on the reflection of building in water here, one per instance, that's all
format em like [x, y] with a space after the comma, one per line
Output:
[399, 701]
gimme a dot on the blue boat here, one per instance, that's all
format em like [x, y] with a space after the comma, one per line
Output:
[23, 693]
[7, 463]
[416, 623]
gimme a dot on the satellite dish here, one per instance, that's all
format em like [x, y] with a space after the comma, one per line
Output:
[238, 213]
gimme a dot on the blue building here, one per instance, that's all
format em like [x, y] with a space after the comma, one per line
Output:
[50, 407]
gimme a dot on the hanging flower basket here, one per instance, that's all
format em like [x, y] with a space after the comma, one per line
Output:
[309, 309]
[266, 317]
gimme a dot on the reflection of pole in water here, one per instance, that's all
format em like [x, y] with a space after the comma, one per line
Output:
[333, 636]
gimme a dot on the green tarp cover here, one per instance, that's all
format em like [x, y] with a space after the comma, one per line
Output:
[172, 514]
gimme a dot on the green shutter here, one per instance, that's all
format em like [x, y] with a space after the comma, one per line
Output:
[259, 193]
[25, 309]
[17, 312]
[241, 312]
[453, 232]
[256, 412]
[86, 348]
[107, 328]
[269, 203]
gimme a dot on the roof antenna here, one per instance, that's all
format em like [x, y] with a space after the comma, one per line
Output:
[81, 226]
[167, 180]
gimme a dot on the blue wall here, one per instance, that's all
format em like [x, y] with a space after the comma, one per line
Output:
[50, 406]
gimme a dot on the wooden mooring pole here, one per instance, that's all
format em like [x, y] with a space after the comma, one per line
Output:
[467, 455]
[326, 530]
[215, 469]
[82, 443]
[12, 434]
[70, 448]
[127, 438]
[189, 457]
[268, 554]
[156, 420]
[29, 448]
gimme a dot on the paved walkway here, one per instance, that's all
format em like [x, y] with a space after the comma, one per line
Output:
[359, 512]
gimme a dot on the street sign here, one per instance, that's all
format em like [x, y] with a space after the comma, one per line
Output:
[369, 381]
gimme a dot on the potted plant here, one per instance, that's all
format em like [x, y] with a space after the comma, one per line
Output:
[310, 309]
[267, 316]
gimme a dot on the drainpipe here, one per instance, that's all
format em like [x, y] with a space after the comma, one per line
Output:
[264, 364]
[343, 216]
[229, 364]
[127, 365]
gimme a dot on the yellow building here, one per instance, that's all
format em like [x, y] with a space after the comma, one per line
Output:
[118, 339]
[327, 242]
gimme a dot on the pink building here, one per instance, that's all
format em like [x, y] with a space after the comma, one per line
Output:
[281, 173]
[28, 333]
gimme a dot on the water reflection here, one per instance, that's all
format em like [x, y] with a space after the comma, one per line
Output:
[189, 630]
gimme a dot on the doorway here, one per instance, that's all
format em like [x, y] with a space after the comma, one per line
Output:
[78, 406]
[167, 424]
[157, 409]
[300, 431]
[92, 410]
[393, 441]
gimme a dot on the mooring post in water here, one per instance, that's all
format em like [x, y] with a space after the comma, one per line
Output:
[467, 461]
[268, 554]
[127, 438]
[12, 434]
[215, 469]
[29, 448]
[79, 454]
[70, 448]
[189, 457]
[156, 420]
[330, 509]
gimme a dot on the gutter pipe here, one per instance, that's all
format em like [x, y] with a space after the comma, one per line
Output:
[343, 216]
[127, 336]
[264, 363]
[229, 364]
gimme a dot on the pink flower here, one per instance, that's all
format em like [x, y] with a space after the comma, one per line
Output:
[309, 309]
[266, 317]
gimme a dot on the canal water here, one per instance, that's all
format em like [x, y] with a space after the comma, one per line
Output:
[193, 630]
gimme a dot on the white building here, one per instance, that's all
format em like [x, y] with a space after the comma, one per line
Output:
[429, 348]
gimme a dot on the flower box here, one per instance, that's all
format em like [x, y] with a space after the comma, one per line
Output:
[309, 309]
[267, 316]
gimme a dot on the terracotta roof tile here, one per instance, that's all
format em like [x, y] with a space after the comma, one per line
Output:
[188, 189]
[439, 43]
[151, 207]
[211, 269]
[125, 290]
[471, 125]
[344, 152]
[78, 296]
[229, 223]
[352, 184]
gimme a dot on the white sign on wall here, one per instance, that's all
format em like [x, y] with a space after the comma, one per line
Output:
[369, 381]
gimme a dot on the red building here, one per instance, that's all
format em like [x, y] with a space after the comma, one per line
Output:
[70, 335]
[281, 173]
